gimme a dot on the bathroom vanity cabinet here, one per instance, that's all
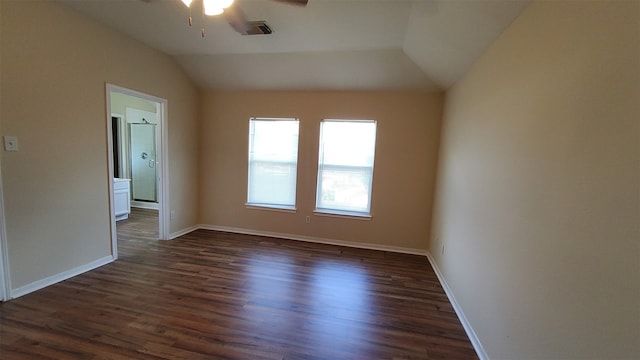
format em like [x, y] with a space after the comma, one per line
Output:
[122, 198]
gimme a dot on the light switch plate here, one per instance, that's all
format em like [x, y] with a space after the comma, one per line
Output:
[11, 143]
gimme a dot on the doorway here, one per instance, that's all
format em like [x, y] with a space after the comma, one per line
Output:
[137, 151]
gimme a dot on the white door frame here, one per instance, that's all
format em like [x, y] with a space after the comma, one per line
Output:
[5, 280]
[162, 160]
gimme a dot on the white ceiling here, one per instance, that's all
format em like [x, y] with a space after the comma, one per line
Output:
[327, 45]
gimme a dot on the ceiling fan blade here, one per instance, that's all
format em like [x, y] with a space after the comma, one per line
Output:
[237, 19]
[295, 2]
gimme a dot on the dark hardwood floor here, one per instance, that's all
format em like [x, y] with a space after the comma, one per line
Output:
[141, 226]
[215, 295]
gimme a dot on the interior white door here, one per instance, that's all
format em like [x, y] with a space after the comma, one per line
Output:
[143, 162]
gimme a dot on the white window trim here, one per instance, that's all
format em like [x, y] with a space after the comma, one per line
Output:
[343, 214]
[346, 213]
[272, 207]
[275, 207]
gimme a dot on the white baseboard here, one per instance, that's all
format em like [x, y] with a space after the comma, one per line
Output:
[37, 285]
[182, 232]
[482, 354]
[145, 205]
[313, 239]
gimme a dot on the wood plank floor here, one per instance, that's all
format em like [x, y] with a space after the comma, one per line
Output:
[215, 295]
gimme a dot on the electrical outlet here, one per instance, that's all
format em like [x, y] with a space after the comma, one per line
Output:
[11, 143]
[172, 215]
[308, 219]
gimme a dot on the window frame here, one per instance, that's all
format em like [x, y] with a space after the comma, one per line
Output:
[270, 206]
[324, 211]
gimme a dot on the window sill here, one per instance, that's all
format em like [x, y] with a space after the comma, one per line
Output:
[342, 214]
[287, 209]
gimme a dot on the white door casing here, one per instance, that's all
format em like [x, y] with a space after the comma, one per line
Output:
[162, 170]
[5, 280]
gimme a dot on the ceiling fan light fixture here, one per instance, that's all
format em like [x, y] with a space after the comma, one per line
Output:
[212, 7]
[234, 15]
[224, 3]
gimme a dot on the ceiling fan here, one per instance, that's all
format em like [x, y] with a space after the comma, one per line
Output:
[235, 16]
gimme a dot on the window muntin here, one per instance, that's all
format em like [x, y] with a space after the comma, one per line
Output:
[345, 166]
[273, 162]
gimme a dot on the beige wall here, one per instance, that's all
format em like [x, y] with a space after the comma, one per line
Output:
[407, 141]
[55, 64]
[538, 186]
[120, 102]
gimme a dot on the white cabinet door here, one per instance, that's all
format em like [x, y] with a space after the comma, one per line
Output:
[121, 199]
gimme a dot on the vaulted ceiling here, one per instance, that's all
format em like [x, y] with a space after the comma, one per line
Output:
[327, 45]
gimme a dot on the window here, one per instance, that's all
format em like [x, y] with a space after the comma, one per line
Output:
[273, 162]
[345, 166]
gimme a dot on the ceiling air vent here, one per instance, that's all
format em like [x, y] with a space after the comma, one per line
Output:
[257, 28]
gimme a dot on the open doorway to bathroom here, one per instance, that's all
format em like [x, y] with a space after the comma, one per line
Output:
[135, 151]
[137, 162]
